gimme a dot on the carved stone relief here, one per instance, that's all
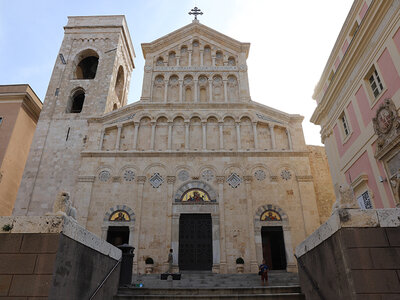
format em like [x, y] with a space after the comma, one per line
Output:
[104, 175]
[234, 180]
[156, 180]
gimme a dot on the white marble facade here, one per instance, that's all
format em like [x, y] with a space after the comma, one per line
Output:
[195, 127]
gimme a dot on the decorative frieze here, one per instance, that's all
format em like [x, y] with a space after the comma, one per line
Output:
[104, 175]
[234, 180]
[129, 175]
[183, 175]
[207, 175]
[259, 175]
[286, 175]
[156, 180]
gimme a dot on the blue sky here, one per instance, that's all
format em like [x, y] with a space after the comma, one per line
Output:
[290, 41]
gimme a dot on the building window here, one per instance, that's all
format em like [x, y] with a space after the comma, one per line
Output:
[345, 125]
[375, 83]
[364, 201]
[1, 120]
[75, 103]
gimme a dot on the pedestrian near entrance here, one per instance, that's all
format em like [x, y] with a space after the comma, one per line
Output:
[170, 261]
[263, 272]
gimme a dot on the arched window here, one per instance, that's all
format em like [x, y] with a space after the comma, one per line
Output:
[119, 83]
[75, 103]
[160, 61]
[86, 64]
[231, 61]
[115, 106]
[219, 61]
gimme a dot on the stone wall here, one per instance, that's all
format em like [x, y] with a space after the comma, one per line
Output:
[52, 258]
[357, 262]
[322, 181]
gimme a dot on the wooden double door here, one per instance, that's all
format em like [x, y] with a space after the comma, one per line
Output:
[195, 242]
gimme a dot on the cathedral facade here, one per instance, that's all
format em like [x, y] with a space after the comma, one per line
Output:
[195, 165]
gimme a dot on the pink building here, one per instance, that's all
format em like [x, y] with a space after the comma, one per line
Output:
[358, 102]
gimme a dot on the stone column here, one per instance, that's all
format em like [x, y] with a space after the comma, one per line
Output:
[220, 181]
[289, 137]
[290, 260]
[136, 238]
[151, 90]
[271, 130]
[165, 90]
[210, 89]
[255, 135]
[190, 58]
[186, 135]
[101, 139]
[170, 135]
[225, 90]
[221, 135]
[196, 87]
[168, 226]
[202, 57]
[250, 218]
[180, 90]
[204, 126]
[153, 134]
[135, 136]
[239, 146]
[117, 142]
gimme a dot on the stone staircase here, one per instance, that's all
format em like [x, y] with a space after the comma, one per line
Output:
[205, 285]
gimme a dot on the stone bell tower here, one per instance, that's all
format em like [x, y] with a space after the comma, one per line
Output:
[91, 77]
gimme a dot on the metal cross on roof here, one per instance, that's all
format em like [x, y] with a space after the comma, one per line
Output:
[195, 11]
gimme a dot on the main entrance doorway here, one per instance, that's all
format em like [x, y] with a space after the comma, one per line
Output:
[273, 247]
[195, 242]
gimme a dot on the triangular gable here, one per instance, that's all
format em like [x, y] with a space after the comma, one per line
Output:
[195, 28]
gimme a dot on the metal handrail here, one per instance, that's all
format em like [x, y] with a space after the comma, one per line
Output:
[308, 274]
[105, 279]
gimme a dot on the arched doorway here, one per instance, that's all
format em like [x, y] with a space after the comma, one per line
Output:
[273, 238]
[118, 224]
[273, 245]
[195, 227]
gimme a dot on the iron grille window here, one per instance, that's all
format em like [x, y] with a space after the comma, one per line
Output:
[375, 83]
[364, 201]
[346, 128]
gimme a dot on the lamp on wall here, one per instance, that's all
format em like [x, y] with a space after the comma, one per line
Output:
[381, 179]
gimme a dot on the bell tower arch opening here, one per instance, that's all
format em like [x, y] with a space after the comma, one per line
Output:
[86, 64]
[75, 103]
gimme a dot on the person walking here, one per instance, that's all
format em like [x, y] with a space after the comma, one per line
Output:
[263, 272]
[170, 260]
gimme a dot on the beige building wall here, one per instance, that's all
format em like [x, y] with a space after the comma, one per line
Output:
[19, 110]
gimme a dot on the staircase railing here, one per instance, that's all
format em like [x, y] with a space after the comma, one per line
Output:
[105, 279]
[308, 275]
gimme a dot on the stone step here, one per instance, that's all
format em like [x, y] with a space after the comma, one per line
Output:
[209, 291]
[206, 285]
[209, 280]
[281, 296]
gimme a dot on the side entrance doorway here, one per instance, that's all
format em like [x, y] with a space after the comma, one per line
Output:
[195, 242]
[118, 235]
[273, 247]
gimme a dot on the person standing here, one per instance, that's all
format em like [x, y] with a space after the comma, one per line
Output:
[263, 272]
[170, 261]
